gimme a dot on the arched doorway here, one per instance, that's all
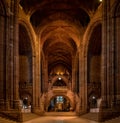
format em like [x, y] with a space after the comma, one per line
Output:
[59, 103]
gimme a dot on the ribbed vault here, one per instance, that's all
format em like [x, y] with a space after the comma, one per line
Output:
[60, 26]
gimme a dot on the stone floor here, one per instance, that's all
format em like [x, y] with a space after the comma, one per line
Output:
[3, 120]
[60, 119]
[32, 118]
[67, 119]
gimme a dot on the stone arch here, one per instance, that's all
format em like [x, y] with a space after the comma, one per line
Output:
[83, 55]
[30, 34]
[88, 34]
[25, 55]
[3, 10]
[63, 78]
[64, 95]
[115, 10]
[94, 50]
[54, 27]
[30, 55]
[94, 61]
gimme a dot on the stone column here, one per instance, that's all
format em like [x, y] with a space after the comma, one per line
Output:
[2, 54]
[16, 56]
[105, 56]
[73, 74]
[107, 63]
[46, 75]
[116, 61]
[36, 82]
[12, 63]
[83, 82]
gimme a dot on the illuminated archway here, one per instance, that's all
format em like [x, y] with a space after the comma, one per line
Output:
[59, 103]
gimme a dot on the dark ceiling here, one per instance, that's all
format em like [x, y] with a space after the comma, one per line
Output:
[61, 24]
[58, 4]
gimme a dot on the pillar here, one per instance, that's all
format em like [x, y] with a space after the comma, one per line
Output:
[2, 53]
[105, 76]
[83, 82]
[73, 74]
[36, 81]
[107, 63]
[12, 60]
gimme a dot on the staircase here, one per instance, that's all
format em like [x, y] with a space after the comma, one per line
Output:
[3, 120]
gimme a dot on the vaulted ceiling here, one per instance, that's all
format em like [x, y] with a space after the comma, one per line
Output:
[60, 25]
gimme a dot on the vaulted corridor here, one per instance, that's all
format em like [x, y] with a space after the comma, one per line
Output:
[59, 57]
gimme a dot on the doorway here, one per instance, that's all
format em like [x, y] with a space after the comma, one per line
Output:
[59, 104]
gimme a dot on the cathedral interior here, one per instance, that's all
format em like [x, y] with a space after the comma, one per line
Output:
[59, 56]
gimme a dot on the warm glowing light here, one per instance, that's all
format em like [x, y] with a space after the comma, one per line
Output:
[59, 78]
[93, 97]
[100, 0]
[61, 73]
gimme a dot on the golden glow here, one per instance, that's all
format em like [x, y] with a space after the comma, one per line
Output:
[59, 78]
[59, 73]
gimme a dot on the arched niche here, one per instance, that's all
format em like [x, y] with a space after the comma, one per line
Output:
[25, 56]
[94, 63]
[25, 68]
